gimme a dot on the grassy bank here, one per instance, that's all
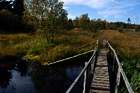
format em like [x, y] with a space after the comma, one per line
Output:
[47, 48]
[8, 43]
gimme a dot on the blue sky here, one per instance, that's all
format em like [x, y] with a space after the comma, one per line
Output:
[111, 10]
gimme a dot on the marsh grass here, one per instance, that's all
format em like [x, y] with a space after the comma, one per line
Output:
[127, 45]
[46, 47]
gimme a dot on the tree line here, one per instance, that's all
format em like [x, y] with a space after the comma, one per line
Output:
[49, 15]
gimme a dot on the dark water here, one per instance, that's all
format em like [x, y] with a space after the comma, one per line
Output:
[24, 78]
[61, 78]
[14, 78]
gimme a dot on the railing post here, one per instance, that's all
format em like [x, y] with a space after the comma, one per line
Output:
[117, 80]
[92, 64]
[94, 58]
[85, 77]
[113, 65]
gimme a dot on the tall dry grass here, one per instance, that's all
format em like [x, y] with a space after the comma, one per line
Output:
[126, 43]
[49, 47]
[46, 48]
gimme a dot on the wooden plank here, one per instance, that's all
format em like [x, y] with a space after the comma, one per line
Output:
[99, 91]
[100, 82]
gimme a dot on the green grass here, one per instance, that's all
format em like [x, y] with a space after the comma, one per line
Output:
[132, 68]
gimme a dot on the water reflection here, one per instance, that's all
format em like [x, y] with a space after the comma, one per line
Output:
[55, 79]
[72, 72]
[20, 77]
[14, 78]
[5, 77]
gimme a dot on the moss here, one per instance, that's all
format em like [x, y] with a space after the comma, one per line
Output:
[32, 58]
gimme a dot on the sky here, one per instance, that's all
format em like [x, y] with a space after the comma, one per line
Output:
[110, 10]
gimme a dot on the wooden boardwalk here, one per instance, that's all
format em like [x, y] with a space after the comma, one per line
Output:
[100, 82]
[104, 80]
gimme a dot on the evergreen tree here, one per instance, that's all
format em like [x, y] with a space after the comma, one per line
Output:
[84, 21]
[18, 7]
[129, 21]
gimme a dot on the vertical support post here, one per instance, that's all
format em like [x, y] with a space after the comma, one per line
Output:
[113, 65]
[118, 80]
[92, 65]
[119, 76]
[85, 77]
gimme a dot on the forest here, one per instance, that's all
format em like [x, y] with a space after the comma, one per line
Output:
[40, 31]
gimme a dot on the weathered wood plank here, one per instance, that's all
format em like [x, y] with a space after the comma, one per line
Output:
[100, 82]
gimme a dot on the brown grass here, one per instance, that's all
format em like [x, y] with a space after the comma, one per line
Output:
[126, 43]
[47, 49]
[68, 43]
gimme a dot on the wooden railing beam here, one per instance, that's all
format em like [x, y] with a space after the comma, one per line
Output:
[69, 58]
[81, 73]
[120, 72]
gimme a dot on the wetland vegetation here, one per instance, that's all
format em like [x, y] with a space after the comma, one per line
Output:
[34, 34]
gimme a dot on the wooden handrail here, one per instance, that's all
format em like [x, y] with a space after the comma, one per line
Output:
[62, 60]
[130, 90]
[85, 78]
[59, 61]
[83, 72]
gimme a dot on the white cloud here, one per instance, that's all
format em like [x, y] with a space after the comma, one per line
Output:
[72, 1]
[119, 8]
[98, 4]
[90, 3]
[105, 8]
[66, 7]
[71, 16]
